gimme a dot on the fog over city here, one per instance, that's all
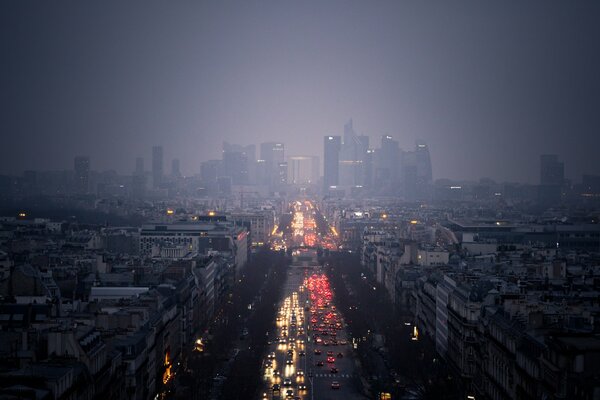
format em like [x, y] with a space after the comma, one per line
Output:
[489, 86]
[299, 200]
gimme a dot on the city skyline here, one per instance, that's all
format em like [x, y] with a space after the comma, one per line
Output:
[488, 87]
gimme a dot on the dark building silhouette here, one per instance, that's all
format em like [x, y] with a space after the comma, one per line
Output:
[552, 178]
[238, 163]
[387, 162]
[331, 158]
[157, 166]
[175, 168]
[139, 166]
[82, 174]
[271, 155]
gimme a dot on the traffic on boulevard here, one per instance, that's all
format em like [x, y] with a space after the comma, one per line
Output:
[309, 355]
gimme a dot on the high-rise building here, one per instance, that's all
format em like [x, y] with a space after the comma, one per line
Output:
[138, 185]
[157, 166]
[209, 171]
[239, 163]
[282, 174]
[552, 171]
[139, 166]
[387, 163]
[300, 170]
[423, 160]
[175, 171]
[82, 174]
[353, 155]
[272, 153]
[552, 179]
[331, 159]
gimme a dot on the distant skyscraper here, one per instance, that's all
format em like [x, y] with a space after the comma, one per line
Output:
[552, 179]
[157, 166]
[387, 163]
[138, 189]
[416, 174]
[175, 171]
[209, 171]
[139, 166]
[282, 175]
[82, 174]
[552, 171]
[239, 163]
[272, 153]
[331, 159]
[423, 159]
[301, 170]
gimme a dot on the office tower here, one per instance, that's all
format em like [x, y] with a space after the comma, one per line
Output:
[157, 166]
[409, 175]
[300, 170]
[424, 175]
[552, 171]
[331, 158]
[423, 163]
[387, 163]
[362, 156]
[272, 153]
[282, 173]
[209, 171]
[239, 162]
[261, 173]
[139, 166]
[82, 174]
[368, 168]
[552, 179]
[175, 171]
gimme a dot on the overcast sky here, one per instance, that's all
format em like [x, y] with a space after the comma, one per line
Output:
[489, 85]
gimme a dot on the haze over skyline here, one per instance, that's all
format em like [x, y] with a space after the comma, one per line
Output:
[489, 87]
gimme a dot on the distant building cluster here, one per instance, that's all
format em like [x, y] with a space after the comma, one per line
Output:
[351, 167]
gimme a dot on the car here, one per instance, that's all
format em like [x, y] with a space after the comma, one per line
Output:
[319, 363]
[289, 392]
[276, 388]
[331, 360]
[287, 382]
[318, 352]
[340, 355]
[299, 373]
[271, 356]
[276, 373]
[343, 342]
[335, 385]
[333, 370]
[302, 387]
[289, 362]
[329, 353]
[301, 354]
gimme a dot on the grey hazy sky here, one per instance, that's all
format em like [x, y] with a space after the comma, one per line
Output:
[489, 85]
